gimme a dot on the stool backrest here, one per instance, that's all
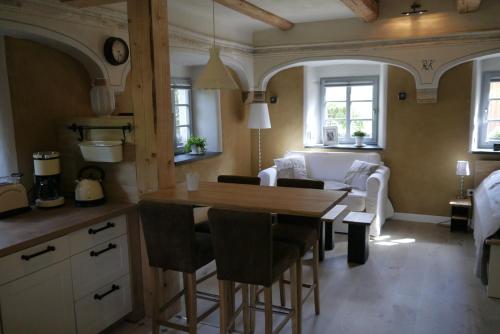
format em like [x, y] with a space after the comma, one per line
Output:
[169, 234]
[242, 243]
[255, 180]
[300, 183]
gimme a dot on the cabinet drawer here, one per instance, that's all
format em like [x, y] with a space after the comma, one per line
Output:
[103, 306]
[39, 303]
[88, 237]
[99, 265]
[32, 259]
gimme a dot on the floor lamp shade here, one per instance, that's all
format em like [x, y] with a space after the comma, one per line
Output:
[215, 75]
[259, 116]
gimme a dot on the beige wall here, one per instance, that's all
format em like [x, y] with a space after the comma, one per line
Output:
[45, 84]
[235, 158]
[424, 141]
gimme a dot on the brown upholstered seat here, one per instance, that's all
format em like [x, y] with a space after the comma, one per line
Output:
[304, 233]
[173, 244]
[246, 253]
[171, 240]
[255, 180]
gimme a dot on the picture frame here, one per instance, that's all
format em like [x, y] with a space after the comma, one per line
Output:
[330, 136]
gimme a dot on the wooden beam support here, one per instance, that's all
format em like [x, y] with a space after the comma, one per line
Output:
[367, 10]
[248, 9]
[467, 6]
[90, 3]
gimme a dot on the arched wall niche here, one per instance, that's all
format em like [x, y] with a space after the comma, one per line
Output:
[87, 55]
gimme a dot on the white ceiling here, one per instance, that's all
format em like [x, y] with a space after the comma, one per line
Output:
[196, 15]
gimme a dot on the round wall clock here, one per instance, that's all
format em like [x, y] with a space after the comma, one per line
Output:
[116, 51]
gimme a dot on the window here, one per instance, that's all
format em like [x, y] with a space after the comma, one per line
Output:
[489, 115]
[351, 104]
[181, 104]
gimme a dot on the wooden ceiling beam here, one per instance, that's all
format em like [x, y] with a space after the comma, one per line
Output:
[246, 8]
[467, 6]
[367, 10]
[89, 3]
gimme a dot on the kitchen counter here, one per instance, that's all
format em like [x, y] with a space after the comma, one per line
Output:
[40, 225]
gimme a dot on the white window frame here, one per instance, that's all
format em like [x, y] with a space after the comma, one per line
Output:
[349, 82]
[488, 77]
[180, 83]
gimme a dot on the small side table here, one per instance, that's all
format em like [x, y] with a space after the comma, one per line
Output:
[461, 213]
[358, 237]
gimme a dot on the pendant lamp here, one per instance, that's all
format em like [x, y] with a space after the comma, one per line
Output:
[215, 75]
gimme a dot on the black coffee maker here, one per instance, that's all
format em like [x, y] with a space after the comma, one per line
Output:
[47, 179]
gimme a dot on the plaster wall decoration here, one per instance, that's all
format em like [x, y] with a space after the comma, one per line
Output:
[425, 58]
[81, 33]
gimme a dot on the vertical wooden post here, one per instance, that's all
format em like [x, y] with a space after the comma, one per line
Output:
[153, 120]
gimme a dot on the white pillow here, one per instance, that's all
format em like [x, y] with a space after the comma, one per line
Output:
[293, 167]
[358, 173]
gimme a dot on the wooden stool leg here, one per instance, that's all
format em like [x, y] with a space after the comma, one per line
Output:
[299, 292]
[253, 300]
[268, 310]
[223, 307]
[316, 277]
[246, 310]
[293, 291]
[329, 235]
[190, 300]
[155, 277]
[282, 291]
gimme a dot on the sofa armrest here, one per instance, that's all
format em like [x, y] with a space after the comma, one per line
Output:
[377, 191]
[268, 176]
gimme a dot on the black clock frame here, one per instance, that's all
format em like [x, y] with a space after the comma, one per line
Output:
[108, 51]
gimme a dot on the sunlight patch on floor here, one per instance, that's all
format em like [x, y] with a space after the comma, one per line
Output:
[385, 240]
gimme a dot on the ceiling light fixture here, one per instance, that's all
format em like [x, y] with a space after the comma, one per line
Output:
[415, 10]
[215, 75]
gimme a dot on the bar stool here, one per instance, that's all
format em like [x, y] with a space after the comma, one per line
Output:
[173, 244]
[253, 180]
[246, 253]
[303, 232]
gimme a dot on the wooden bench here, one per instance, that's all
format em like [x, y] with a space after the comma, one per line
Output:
[494, 268]
[358, 236]
[328, 220]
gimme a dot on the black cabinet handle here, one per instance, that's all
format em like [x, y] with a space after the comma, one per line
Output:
[114, 288]
[105, 227]
[46, 250]
[97, 253]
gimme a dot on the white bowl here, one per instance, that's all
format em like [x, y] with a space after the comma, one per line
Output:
[102, 151]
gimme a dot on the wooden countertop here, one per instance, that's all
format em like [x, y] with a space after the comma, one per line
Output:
[40, 225]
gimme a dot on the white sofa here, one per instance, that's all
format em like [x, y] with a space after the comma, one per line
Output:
[331, 167]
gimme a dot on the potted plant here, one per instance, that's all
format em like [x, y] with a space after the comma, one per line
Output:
[359, 136]
[196, 145]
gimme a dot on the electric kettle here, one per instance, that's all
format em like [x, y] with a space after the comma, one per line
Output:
[89, 191]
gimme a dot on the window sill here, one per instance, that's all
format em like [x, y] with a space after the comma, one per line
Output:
[367, 147]
[181, 159]
[484, 151]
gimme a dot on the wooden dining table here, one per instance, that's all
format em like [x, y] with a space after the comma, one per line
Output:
[282, 200]
[291, 201]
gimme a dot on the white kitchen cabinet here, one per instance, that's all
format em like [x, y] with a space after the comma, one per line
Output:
[39, 303]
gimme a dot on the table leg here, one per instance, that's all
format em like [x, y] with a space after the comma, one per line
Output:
[321, 243]
[328, 235]
[358, 243]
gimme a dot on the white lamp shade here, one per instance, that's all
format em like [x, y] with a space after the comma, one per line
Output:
[215, 75]
[259, 116]
[463, 168]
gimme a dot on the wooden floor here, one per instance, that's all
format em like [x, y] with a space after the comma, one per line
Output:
[419, 279]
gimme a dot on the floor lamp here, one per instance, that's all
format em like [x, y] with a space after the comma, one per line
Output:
[259, 119]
